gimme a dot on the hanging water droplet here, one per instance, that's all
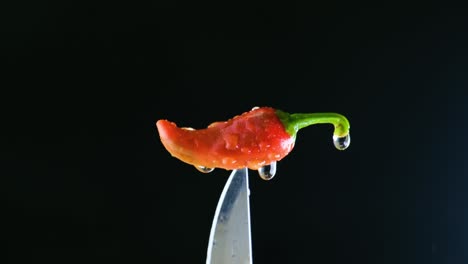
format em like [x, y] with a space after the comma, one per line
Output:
[267, 172]
[342, 143]
[204, 169]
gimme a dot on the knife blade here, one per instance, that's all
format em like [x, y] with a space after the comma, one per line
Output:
[230, 235]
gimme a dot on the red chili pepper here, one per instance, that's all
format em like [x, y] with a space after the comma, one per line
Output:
[253, 139]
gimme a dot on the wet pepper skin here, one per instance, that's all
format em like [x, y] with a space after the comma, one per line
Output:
[252, 139]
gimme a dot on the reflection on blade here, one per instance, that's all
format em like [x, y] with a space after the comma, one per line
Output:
[230, 237]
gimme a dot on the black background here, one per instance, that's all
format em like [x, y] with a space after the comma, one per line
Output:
[86, 180]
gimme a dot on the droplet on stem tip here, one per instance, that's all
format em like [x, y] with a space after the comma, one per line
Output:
[342, 143]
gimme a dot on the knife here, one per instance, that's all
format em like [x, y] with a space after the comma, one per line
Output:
[230, 238]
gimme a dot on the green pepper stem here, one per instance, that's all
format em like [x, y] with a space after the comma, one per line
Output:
[294, 122]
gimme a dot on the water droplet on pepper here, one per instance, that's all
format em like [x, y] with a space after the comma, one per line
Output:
[228, 161]
[246, 150]
[267, 172]
[204, 169]
[342, 143]
[231, 141]
[273, 156]
[264, 146]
